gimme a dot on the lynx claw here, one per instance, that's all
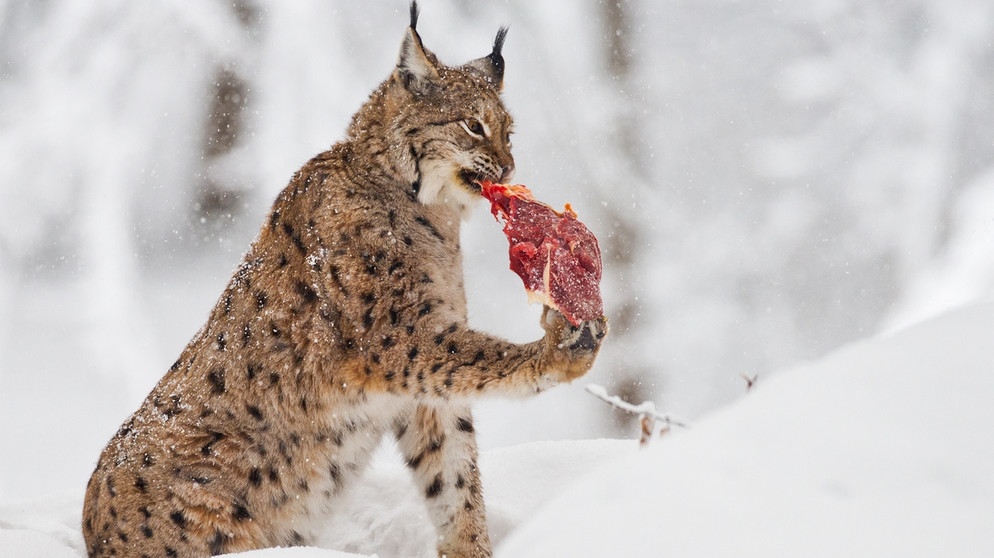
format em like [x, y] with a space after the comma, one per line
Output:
[589, 335]
[571, 350]
[551, 318]
[585, 337]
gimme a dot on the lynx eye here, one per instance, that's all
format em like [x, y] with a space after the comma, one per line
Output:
[474, 127]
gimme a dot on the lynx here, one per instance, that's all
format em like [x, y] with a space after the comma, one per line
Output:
[345, 322]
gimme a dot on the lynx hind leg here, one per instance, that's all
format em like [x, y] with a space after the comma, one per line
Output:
[439, 444]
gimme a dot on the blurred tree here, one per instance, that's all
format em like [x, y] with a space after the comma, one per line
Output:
[221, 191]
[626, 245]
[768, 180]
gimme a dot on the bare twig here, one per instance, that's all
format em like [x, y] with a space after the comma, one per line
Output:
[750, 380]
[648, 424]
[646, 411]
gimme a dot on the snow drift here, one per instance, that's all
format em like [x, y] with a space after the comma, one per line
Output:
[880, 449]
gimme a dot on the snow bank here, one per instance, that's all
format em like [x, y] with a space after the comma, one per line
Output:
[45, 527]
[384, 516]
[881, 449]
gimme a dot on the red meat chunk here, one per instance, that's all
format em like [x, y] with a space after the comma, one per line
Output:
[555, 255]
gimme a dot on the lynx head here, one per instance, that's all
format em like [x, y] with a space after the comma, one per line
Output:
[447, 127]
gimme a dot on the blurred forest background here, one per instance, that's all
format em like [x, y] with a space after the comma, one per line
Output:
[769, 180]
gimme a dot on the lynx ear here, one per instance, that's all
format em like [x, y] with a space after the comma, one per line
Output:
[417, 68]
[492, 65]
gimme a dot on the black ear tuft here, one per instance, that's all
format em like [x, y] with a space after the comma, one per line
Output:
[414, 14]
[499, 41]
[496, 59]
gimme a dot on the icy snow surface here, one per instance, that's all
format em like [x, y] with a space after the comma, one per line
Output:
[883, 448]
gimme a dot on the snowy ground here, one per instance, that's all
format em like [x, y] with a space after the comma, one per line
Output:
[883, 448]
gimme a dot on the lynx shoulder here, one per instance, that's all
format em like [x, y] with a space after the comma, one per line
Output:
[345, 322]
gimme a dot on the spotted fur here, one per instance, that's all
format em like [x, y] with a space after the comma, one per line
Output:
[345, 322]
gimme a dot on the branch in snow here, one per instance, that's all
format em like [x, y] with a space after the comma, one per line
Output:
[646, 411]
[750, 380]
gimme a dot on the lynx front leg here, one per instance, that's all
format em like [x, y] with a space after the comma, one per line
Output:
[440, 358]
[439, 445]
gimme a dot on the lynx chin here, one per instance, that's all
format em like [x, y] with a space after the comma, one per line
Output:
[345, 322]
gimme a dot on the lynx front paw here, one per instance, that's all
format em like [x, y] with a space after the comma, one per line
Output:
[572, 349]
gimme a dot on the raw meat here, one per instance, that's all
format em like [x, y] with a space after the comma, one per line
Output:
[555, 255]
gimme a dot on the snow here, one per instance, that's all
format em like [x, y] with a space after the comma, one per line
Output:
[768, 180]
[882, 448]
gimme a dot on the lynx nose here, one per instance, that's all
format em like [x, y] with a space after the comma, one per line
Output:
[506, 173]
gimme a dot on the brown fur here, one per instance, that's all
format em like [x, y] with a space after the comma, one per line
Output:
[346, 320]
